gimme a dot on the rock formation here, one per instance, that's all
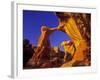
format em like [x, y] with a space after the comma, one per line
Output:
[77, 51]
[77, 26]
[41, 56]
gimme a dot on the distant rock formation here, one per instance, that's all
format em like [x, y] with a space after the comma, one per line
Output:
[28, 51]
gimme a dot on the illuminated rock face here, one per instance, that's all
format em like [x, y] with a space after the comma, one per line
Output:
[70, 49]
[77, 26]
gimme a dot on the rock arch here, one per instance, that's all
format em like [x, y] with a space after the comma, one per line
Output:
[41, 53]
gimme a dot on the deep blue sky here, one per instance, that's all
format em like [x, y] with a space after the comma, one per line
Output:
[32, 22]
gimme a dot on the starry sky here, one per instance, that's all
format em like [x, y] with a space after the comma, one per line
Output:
[32, 22]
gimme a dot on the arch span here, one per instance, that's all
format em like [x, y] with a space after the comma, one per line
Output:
[75, 47]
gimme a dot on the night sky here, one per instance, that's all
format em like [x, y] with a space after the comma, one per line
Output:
[32, 22]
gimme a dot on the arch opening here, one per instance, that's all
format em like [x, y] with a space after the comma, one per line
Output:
[57, 37]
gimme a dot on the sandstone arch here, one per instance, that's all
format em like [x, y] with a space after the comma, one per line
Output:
[69, 26]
